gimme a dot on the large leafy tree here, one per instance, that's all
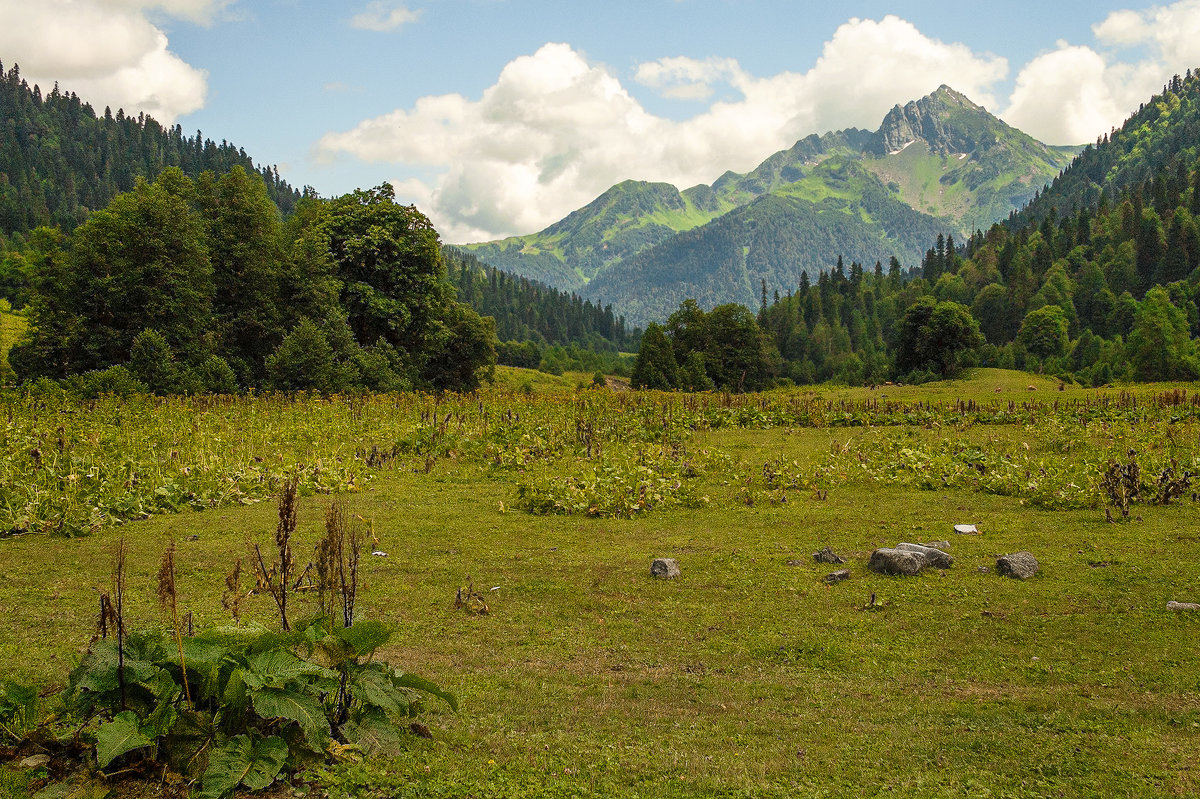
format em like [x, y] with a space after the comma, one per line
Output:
[655, 366]
[139, 263]
[1044, 331]
[1159, 346]
[933, 336]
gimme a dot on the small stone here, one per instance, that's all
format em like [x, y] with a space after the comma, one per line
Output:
[827, 555]
[192, 538]
[35, 761]
[984, 569]
[837, 576]
[966, 529]
[1021, 565]
[933, 557]
[664, 568]
[896, 562]
[795, 563]
[1181, 606]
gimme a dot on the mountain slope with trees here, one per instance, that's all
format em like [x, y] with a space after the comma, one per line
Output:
[60, 160]
[1096, 280]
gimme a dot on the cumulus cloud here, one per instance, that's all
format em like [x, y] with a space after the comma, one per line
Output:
[554, 131]
[384, 16]
[1075, 93]
[106, 51]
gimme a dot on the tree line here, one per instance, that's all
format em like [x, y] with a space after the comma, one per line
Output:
[183, 285]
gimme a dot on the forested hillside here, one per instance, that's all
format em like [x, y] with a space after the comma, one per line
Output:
[1097, 280]
[540, 327]
[59, 160]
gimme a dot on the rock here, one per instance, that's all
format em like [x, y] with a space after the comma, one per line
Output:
[795, 563]
[664, 568]
[896, 562]
[837, 576]
[1181, 606]
[942, 545]
[1021, 565]
[966, 529]
[933, 557]
[34, 761]
[827, 555]
[192, 537]
[984, 569]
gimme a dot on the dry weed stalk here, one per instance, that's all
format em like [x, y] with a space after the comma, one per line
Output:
[276, 579]
[118, 615]
[470, 600]
[337, 562]
[169, 598]
[233, 596]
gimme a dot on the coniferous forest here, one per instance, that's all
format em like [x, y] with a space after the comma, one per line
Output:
[1096, 280]
[60, 160]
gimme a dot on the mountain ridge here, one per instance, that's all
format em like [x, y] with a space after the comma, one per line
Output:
[955, 166]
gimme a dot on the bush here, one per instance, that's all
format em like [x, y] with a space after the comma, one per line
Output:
[116, 381]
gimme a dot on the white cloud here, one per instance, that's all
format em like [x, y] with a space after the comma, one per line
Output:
[105, 51]
[383, 16]
[1075, 93]
[555, 131]
[1173, 32]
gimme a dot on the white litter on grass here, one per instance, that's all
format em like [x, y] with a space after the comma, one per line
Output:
[379, 553]
[494, 588]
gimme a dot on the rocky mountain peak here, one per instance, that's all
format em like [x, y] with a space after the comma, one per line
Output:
[935, 119]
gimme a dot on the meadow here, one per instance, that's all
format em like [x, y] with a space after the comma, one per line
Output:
[748, 675]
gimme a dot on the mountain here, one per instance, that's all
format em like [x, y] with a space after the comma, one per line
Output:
[59, 160]
[939, 164]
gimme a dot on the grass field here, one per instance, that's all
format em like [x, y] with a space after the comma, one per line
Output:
[12, 325]
[748, 676]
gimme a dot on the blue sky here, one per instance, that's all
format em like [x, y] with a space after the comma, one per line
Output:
[501, 116]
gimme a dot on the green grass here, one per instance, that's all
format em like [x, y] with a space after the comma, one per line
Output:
[746, 677]
[12, 326]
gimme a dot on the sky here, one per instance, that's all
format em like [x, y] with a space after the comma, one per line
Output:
[499, 117]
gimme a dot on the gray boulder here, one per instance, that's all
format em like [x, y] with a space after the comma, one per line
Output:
[896, 562]
[827, 555]
[1021, 565]
[837, 576]
[665, 568]
[933, 557]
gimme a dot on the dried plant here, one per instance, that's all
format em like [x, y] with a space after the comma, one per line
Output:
[337, 560]
[168, 599]
[118, 613]
[470, 600]
[276, 578]
[233, 596]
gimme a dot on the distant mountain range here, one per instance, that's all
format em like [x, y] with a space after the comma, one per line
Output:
[939, 165]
